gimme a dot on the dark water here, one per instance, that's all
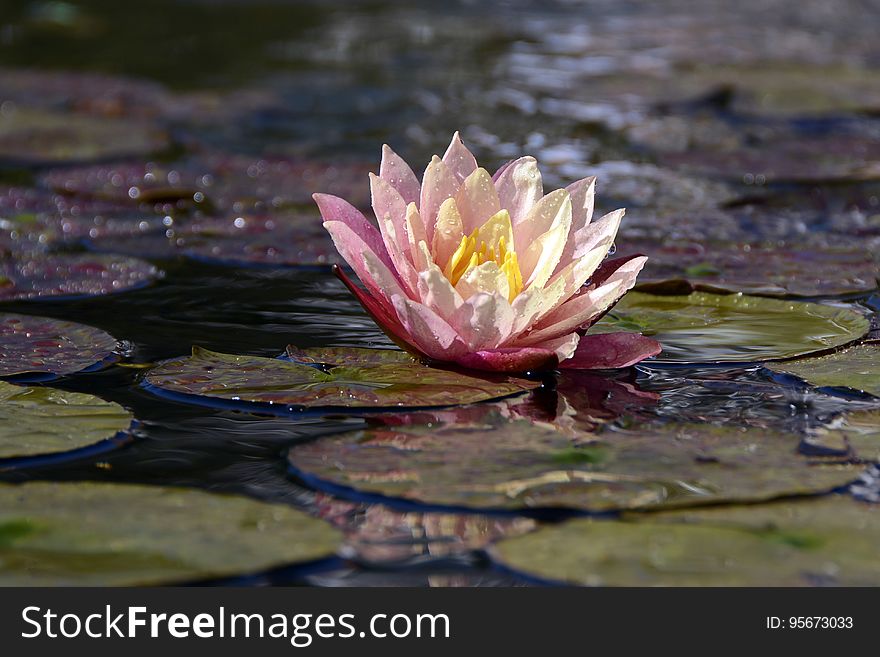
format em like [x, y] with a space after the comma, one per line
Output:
[619, 88]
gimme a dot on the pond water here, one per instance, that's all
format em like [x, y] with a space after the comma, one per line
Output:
[166, 152]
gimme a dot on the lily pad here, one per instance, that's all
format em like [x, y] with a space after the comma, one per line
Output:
[840, 157]
[518, 466]
[323, 378]
[713, 328]
[227, 183]
[755, 269]
[829, 541]
[38, 421]
[29, 137]
[38, 275]
[42, 347]
[86, 534]
[857, 367]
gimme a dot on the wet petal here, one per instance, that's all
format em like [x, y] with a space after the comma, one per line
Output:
[397, 173]
[459, 159]
[333, 208]
[477, 200]
[438, 184]
[519, 187]
[447, 233]
[430, 332]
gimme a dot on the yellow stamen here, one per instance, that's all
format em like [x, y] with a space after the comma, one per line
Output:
[467, 256]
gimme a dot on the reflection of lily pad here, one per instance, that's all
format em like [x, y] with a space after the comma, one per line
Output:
[331, 377]
[375, 533]
[35, 137]
[707, 328]
[44, 347]
[828, 541]
[517, 465]
[856, 434]
[753, 269]
[87, 534]
[34, 275]
[857, 367]
[36, 421]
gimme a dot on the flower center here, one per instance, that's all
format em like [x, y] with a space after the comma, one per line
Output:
[473, 251]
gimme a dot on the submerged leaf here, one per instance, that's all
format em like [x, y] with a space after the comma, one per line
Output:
[857, 367]
[46, 347]
[91, 534]
[518, 465]
[829, 541]
[708, 328]
[347, 377]
[36, 421]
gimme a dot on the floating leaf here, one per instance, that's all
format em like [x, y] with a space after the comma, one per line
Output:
[709, 328]
[828, 541]
[755, 269]
[44, 347]
[790, 158]
[346, 378]
[857, 367]
[517, 465]
[37, 421]
[38, 275]
[90, 534]
[29, 136]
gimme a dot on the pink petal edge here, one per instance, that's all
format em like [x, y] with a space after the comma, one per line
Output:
[611, 350]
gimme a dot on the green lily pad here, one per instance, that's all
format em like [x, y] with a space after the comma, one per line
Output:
[517, 465]
[43, 347]
[755, 269]
[324, 377]
[857, 367]
[713, 328]
[40, 275]
[29, 136]
[37, 421]
[86, 534]
[826, 541]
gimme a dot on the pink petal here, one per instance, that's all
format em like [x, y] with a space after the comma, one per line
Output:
[438, 184]
[428, 331]
[584, 240]
[397, 173]
[519, 187]
[388, 204]
[610, 350]
[476, 200]
[333, 208]
[352, 248]
[610, 282]
[383, 315]
[583, 194]
[526, 359]
[459, 159]
[501, 170]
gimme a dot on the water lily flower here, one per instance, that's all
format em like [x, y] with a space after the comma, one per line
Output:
[485, 271]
